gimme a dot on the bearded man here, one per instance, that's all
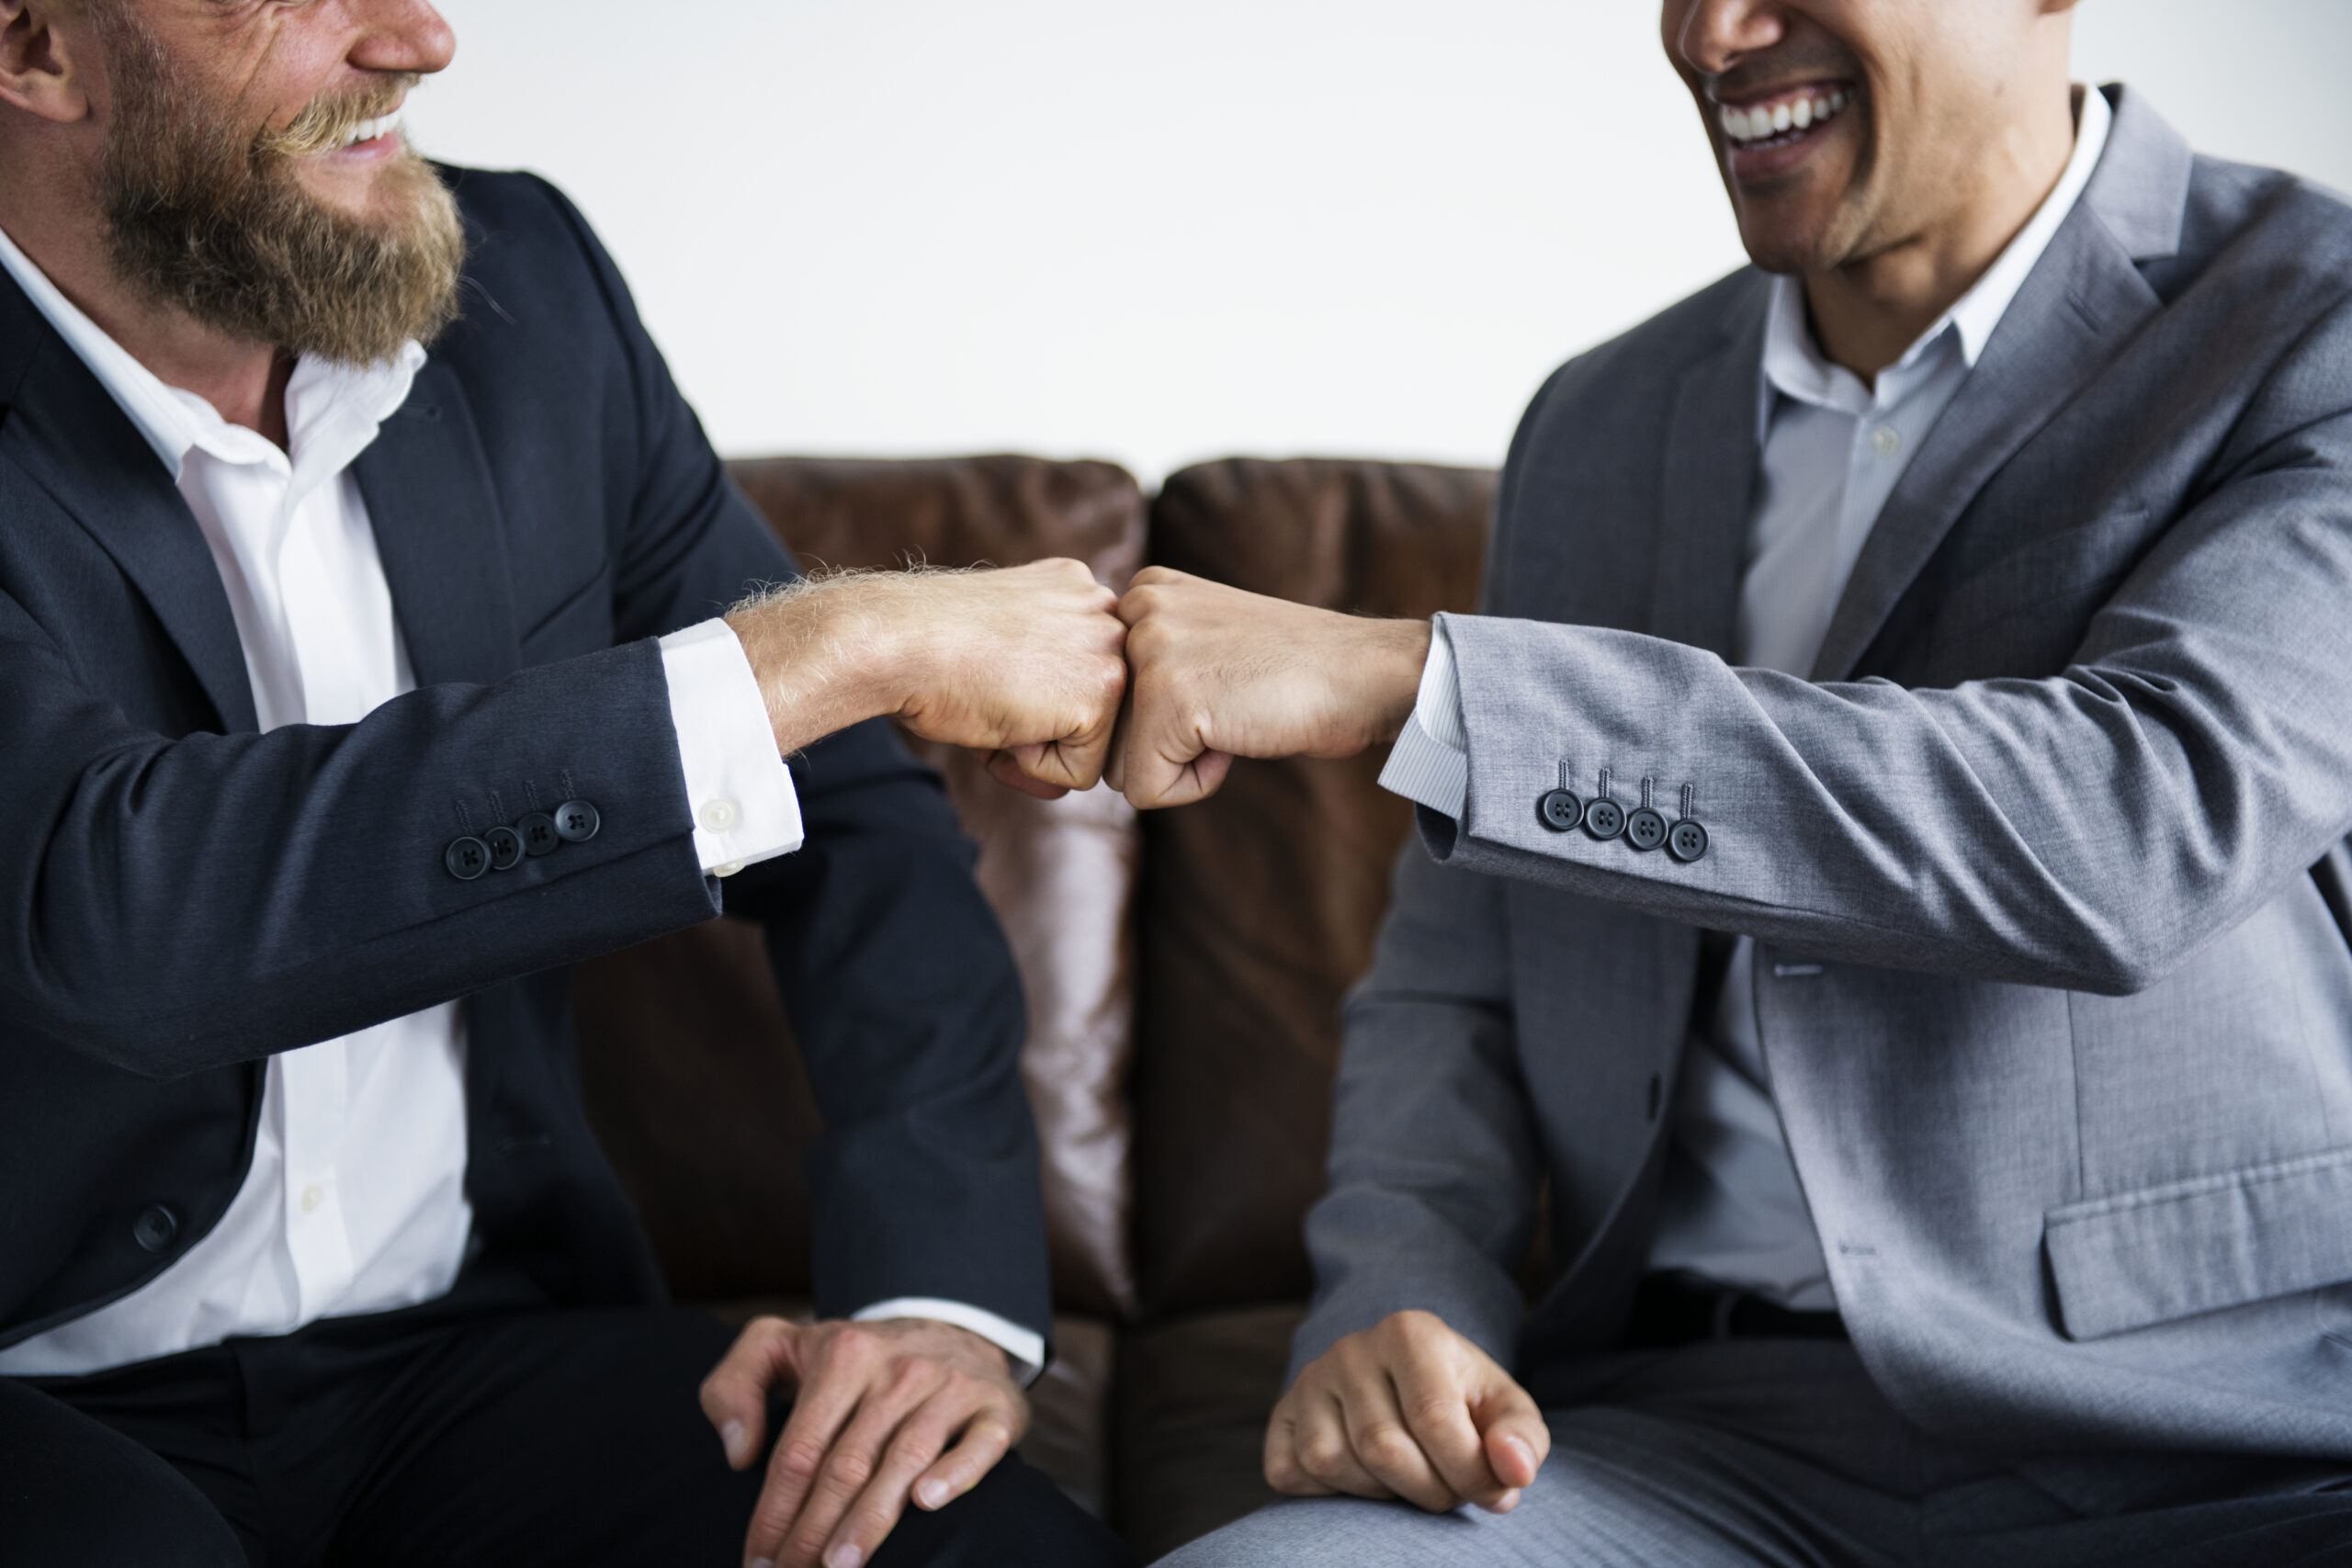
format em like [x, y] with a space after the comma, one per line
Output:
[1883, 867]
[364, 627]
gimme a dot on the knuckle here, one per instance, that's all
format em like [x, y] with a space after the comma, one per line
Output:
[1387, 1446]
[800, 1457]
[851, 1471]
[1321, 1457]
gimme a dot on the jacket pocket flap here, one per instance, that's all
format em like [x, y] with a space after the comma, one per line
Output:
[2201, 1244]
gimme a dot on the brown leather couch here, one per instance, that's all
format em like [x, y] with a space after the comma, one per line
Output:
[1183, 974]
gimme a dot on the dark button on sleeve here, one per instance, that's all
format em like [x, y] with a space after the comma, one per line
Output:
[505, 848]
[466, 858]
[1645, 829]
[576, 821]
[1686, 840]
[155, 1228]
[1559, 810]
[539, 836]
[1604, 819]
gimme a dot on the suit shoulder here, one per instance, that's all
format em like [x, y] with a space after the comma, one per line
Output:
[2263, 230]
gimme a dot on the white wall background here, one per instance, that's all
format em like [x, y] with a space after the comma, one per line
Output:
[1157, 230]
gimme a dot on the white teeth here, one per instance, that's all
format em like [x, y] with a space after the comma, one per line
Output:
[1745, 126]
[369, 130]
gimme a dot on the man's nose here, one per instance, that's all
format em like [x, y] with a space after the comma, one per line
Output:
[402, 35]
[1712, 36]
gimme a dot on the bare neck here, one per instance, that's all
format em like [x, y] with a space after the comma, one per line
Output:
[1867, 313]
[65, 238]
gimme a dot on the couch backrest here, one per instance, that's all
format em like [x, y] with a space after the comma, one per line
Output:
[1259, 906]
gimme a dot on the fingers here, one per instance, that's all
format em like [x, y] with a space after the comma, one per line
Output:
[735, 1395]
[830, 1396]
[1325, 1454]
[859, 1493]
[987, 1439]
[1011, 766]
[1437, 1412]
[1387, 1447]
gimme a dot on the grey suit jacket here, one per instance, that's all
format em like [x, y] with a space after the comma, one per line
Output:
[2046, 864]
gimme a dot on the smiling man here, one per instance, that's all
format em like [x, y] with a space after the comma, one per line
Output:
[379, 635]
[1884, 872]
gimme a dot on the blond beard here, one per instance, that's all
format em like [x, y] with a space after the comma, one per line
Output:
[211, 217]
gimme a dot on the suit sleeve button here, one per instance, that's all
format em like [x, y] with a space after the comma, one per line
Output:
[155, 1228]
[1604, 819]
[505, 848]
[1645, 829]
[576, 821]
[1686, 840]
[1559, 810]
[466, 858]
[539, 836]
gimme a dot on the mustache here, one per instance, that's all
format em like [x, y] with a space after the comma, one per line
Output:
[327, 121]
[1782, 67]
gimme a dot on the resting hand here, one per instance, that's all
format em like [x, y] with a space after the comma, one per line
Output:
[1218, 673]
[882, 1412]
[1406, 1409]
[1022, 662]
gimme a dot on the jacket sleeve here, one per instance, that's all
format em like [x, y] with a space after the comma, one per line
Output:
[2085, 830]
[1435, 1160]
[898, 979]
[169, 905]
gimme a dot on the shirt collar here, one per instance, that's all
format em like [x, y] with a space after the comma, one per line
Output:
[1793, 363]
[323, 399]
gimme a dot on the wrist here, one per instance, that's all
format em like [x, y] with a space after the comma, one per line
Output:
[1394, 654]
[821, 653]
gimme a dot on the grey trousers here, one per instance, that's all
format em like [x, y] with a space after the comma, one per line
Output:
[1782, 1452]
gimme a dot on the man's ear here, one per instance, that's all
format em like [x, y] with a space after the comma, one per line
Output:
[40, 69]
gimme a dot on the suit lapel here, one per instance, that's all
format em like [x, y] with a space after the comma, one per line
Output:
[73, 440]
[2081, 304]
[441, 535]
[1710, 456]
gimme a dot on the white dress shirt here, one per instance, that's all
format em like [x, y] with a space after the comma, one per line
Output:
[354, 1202]
[1832, 450]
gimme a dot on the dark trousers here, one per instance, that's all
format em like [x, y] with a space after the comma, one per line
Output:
[486, 1429]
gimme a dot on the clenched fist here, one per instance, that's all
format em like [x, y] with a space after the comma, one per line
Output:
[1219, 673]
[1022, 662]
[1410, 1409]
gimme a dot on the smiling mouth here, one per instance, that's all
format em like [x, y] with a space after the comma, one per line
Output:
[1783, 119]
[370, 130]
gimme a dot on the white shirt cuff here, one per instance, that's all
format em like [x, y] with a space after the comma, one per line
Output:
[1431, 762]
[740, 793]
[1025, 1348]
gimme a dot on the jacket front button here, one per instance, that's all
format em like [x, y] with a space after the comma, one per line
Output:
[576, 821]
[154, 1229]
[505, 848]
[466, 858]
[539, 836]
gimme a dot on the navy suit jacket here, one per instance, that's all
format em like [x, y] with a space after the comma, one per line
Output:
[181, 896]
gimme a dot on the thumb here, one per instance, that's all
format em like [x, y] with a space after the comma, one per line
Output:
[1517, 1441]
[735, 1396]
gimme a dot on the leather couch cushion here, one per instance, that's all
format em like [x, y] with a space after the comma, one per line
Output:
[1261, 904]
[691, 1078]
